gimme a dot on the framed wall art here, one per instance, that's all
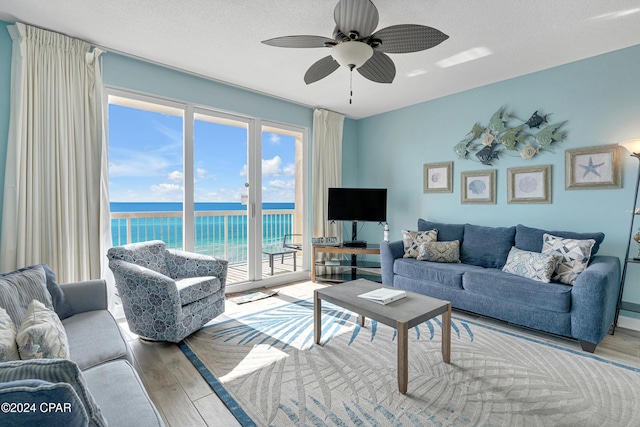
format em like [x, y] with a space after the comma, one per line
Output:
[438, 177]
[530, 184]
[478, 187]
[592, 167]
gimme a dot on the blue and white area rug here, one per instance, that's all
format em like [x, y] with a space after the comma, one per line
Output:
[267, 369]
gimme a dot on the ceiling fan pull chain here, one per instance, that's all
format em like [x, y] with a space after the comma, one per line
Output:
[350, 84]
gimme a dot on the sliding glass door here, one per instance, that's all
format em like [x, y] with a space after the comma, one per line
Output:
[209, 182]
[220, 189]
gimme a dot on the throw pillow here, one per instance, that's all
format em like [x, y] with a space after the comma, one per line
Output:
[8, 348]
[68, 409]
[439, 251]
[486, 246]
[60, 303]
[19, 288]
[575, 256]
[413, 239]
[55, 371]
[41, 334]
[532, 265]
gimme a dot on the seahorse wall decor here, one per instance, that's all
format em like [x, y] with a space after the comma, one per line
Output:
[498, 138]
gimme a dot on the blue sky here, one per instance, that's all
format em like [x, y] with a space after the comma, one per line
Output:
[146, 165]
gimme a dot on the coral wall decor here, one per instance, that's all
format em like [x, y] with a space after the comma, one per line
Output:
[500, 137]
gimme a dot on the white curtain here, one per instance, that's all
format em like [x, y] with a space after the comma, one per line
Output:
[55, 207]
[327, 168]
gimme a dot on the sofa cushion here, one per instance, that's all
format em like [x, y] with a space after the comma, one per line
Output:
[19, 288]
[55, 371]
[530, 239]
[413, 239]
[439, 251]
[446, 232]
[497, 284]
[575, 256]
[94, 338]
[194, 288]
[8, 347]
[532, 265]
[121, 395]
[61, 306]
[41, 334]
[54, 404]
[449, 275]
[486, 246]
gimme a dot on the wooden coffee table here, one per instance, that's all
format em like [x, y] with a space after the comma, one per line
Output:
[402, 315]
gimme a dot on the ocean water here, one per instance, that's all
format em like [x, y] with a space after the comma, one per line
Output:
[221, 235]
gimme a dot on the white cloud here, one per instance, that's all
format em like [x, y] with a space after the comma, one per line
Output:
[167, 192]
[137, 164]
[201, 172]
[271, 167]
[176, 176]
[274, 138]
[278, 183]
[289, 170]
[221, 195]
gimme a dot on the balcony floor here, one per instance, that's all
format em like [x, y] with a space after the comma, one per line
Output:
[237, 272]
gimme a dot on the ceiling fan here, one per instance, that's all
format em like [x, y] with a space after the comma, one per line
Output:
[356, 45]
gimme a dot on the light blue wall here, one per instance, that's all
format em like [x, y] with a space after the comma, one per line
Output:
[127, 73]
[600, 98]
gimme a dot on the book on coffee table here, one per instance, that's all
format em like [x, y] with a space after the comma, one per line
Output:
[383, 295]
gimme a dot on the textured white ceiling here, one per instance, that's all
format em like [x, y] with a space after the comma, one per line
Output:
[220, 39]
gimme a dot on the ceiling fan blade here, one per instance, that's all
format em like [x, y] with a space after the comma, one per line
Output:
[407, 38]
[379, 68]
[356, 15]
[320, 69]
[299, 41]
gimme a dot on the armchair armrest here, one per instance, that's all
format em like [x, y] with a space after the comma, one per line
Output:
[594, 297]
[389, 252]
[188, 264]
[86, 296]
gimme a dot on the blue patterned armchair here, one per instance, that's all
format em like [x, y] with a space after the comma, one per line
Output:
[167, 294]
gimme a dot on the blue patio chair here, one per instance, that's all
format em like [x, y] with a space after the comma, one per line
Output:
[167, 294]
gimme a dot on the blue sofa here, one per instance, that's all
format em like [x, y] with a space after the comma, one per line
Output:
[584, 310]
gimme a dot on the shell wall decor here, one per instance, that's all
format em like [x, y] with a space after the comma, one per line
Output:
[526, 139]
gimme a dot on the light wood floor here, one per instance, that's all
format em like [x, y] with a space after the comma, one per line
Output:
[184, 399]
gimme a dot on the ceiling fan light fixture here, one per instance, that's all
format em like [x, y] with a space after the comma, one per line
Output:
[352, 54]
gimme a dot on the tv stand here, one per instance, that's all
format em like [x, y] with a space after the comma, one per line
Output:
[355, 244]
[344, 270]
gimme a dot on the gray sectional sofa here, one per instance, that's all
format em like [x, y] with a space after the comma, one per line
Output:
[584, 310]
[96, 386]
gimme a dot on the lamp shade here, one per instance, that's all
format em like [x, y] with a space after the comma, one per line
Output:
[352, 53]
[632, 146]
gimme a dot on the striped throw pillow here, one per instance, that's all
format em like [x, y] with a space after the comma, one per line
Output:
[18, 289]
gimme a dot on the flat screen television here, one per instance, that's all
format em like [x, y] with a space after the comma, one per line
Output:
[357, 204]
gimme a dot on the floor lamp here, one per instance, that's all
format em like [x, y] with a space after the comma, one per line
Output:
[633, 147]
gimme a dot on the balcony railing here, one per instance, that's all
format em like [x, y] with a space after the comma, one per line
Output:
[221, 234]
